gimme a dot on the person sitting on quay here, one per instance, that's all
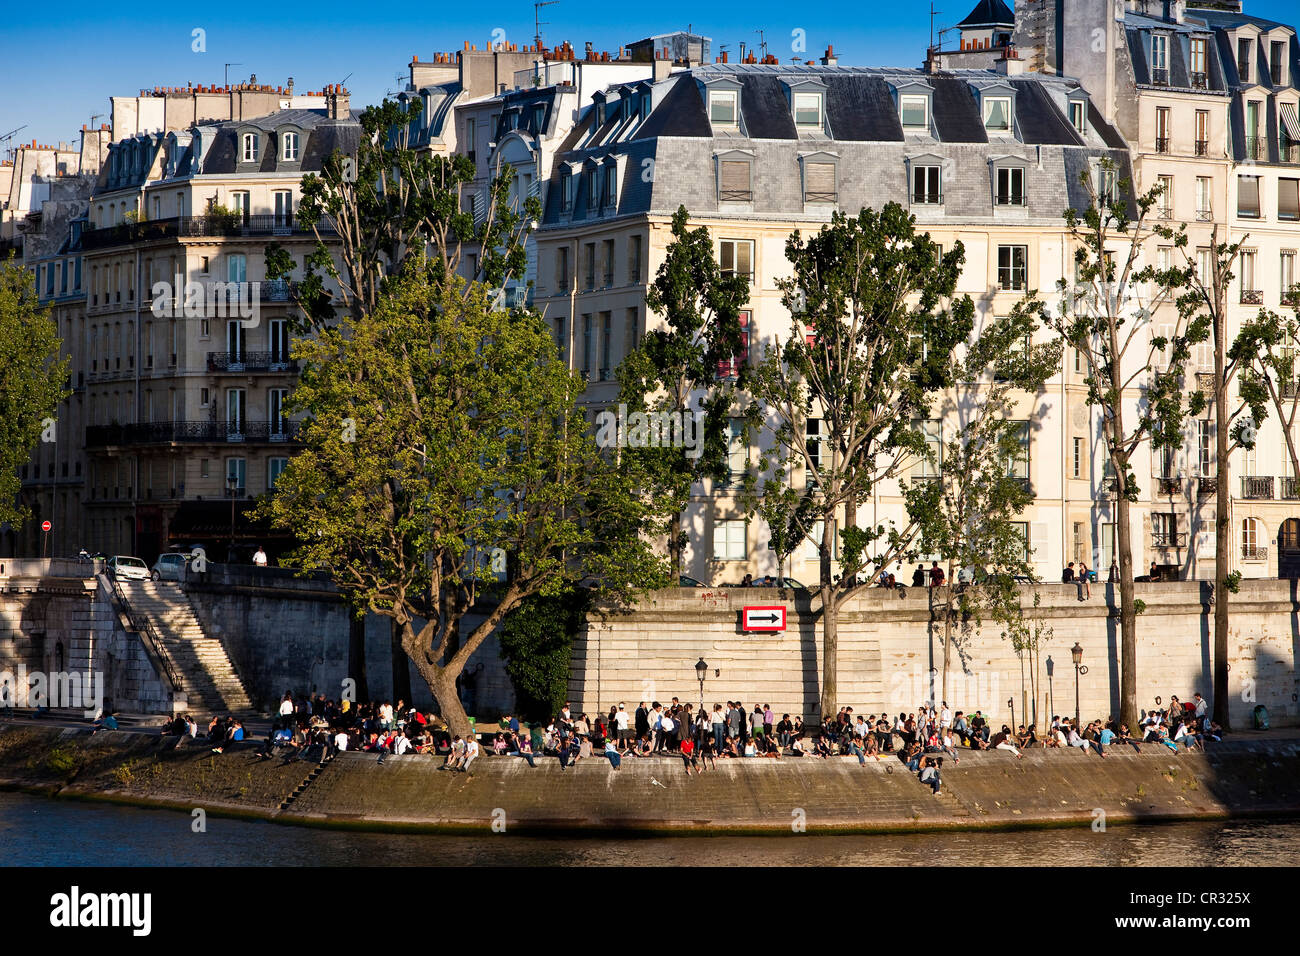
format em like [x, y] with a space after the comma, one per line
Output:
[929, 775]
[1003, 740]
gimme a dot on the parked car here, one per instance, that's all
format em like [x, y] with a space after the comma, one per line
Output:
[170, 566]
[127, 568]
[688, 582]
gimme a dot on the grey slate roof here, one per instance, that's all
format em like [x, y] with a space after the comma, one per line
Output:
[988, 13]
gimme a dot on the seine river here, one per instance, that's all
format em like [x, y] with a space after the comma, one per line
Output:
[41, 831]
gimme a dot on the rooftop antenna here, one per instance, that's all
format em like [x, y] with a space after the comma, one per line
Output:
[538, 22]
[933, 13]
[228, 66]
[762, 43]
[10, 135]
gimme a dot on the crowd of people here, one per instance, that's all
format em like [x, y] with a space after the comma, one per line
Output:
[700, 737]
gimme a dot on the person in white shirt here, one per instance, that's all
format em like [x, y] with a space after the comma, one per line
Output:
[341, 741]
[259, 557]
[471, 751]
[1202, 706]
[945, 717]
[402, 744]
[621, 725]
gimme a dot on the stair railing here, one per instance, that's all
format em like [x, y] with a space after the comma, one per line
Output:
[143, 625]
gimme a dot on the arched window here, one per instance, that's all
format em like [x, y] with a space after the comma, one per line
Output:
[1288, 538]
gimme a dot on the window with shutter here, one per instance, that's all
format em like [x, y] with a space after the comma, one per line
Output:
[730, 368]
[1288, 199]
[1248, 197]
[734, 183]
[819, 182]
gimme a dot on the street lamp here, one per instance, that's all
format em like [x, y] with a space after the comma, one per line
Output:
[232, 485]
[701, 669]
[1051, 696]
[1011, 702]
[1076, 654]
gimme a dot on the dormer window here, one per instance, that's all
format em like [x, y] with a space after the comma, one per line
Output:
[997, 113]
[808, 110]
[1243, 58]
[1079, 116]
[249, 152]
[566, 190]
[722, 108]
[914, 111]
[1159, 59]
[290, 151]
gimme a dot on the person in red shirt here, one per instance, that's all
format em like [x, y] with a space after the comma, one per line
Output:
[689, 757]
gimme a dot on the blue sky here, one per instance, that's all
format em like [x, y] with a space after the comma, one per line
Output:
[58, 69]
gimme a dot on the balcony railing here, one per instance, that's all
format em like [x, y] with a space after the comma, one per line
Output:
[1162, 144]
[1202, 147]
[1160, 77]
[195, 227]
[1169, 539]
[1289, 489]
[927, 199]
[1168, 486]
[1257, 487]
[1205, 215]
[817, 197]
[1289, 153]
[250, 362]
[1256, 147]
[1012, 199]
[1200, 81]
[1254, 552]
[156, 433]
[1289, 389]
[1252, 297]
[735, 195]
[1207, 486]
[1205, 381]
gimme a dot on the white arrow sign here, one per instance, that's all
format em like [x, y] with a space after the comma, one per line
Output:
[764, 618]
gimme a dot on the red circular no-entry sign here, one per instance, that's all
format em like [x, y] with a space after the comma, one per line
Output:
[46, 526]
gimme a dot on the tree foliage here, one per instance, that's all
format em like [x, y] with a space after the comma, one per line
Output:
[32, 381]
[536, 641]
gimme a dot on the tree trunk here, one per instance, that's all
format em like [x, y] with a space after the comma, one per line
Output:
[1128, 708]
[357, 657]
[830, 651]
[947, 643]
[675, 544]
[401, 671]
[1221, 523]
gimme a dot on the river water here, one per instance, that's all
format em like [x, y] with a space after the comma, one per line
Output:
[47, 832]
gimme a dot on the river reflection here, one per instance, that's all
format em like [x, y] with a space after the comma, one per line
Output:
[40, 831]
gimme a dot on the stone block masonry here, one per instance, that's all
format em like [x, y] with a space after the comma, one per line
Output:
[891, 649]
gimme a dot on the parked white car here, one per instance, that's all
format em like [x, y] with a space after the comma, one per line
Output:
[127, 568]
[169, 566]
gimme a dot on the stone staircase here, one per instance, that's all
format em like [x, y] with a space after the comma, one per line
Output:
[204, 669]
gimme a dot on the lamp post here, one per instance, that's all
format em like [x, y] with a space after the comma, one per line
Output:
[701, 669]
[1076, 654]
[231, 487]
[1011, 702]
[1051, 697]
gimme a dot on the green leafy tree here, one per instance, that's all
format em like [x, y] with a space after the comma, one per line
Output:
[446, 468]
[32, 381]
[873, 324]
[537, 643]
[969, 505]
[693, 365]
[1104, 315]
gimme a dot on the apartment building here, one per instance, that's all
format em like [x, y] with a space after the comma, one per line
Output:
[989, 158]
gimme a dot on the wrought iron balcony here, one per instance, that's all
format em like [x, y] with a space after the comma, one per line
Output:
[735, 195]
[1252, 297]
[250, 362]
[1168, 486]
[1012, 199]
[1160, 77]
[1289, 388]
[1205, 215]
[195, 227]
[1290, 489]
[1205, 381]
[1202, 147]
[1256, 147]
[1207, 486]
[1289, 153]
[158, 433]
[1162, 144]
[1169, 539]
[1200, 81]
[1257, 487]
[1254, 552]
[927, 198]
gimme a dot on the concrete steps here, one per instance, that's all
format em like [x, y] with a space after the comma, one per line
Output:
[302, 787]
[203, 667]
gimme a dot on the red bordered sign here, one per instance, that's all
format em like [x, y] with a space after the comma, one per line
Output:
[763, 618]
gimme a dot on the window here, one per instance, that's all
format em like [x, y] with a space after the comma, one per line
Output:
[593, 188]
[1079, 459]
[1160, 59]
[722, 107]
[1202, 132]
[290, 151]
[1288, 199]
[249, 154]
[236, 267]
[737, 451]
[471, 138]
[1252, 534]
[610, 195]
[241, 204]
[812, 549]
[808, 110]
[730, 368]
[589, 257]
[203, 468]
[997, 113]
[729, 540]
[1011, 186]
[1018, 465]
[812, 434]
[736, 257]
[1165, 207]
[561, 339]
[1248, 197]
[734, 181]
[1199, 76]
[1287, 276]
[607, 262]
[1022, 529]
[587, 344]
[606, 338]
[562, 269]
[1105, 180]
[1250, 294]
[1079, 116]
[932, 464]
[631, 330]
[1081, 547]
[1013, 268]
[205, 398]
[1164, 530]
[1162, 129]
[634, 259]
[566, 191]
[274, 469]
[1205, 447]
[278, 338]
[914, 111]
[1243, 59]
[279, 425]
[283, 209]
[819, 182]
[1276, 58]
[927, 185]
[1204, 207]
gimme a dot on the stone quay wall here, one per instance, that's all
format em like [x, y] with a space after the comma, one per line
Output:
[891, 648]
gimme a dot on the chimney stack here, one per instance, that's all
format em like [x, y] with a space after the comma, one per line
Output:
[830, 59]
